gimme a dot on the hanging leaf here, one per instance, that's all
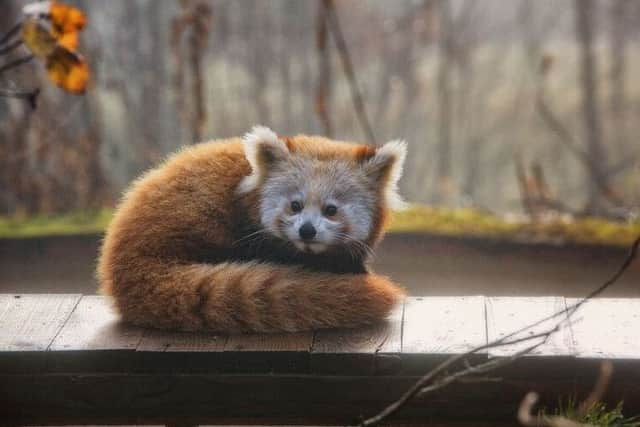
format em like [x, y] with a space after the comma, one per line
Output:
[65, 18]
[50, 30]
[68, 70]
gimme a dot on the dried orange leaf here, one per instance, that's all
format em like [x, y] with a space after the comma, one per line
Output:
[65, 18]
[69, 40]
[68, 70]
[50, 30]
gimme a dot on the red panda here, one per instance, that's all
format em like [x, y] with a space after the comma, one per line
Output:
[260, 234]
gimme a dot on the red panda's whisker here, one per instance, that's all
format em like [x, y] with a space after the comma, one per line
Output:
[250, 235]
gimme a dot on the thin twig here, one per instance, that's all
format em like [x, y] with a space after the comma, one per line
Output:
[345, 57]
[15, 63]
[569, 142]
[599, 388]
[30, 96]
[10, 46]
[422, 386]
[324, 69]
[14, 30]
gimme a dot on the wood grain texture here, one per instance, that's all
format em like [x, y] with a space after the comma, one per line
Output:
[385, 337]
[167, 341]
[508, 314]
[607, 328]
[293, 342]
[94, 325]
[362, 351]
[30, 322]
[267, 399]
[443, 325]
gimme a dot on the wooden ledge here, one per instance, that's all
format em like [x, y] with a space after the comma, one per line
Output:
[67, 359]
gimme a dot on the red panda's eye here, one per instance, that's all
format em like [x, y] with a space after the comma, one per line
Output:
[330, 210]
[296, 206]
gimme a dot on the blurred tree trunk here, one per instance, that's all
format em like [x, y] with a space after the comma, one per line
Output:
[585, 30]
[444, 99]
[285, 73]
[261, 29]
[323, 86]
[618, 51]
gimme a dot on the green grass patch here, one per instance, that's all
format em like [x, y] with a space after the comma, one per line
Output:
[415, 219]
[597, 415]
[55, 225]
[473, 223]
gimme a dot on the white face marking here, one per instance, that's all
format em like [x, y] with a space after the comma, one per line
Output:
[284, 176]
[315, 187]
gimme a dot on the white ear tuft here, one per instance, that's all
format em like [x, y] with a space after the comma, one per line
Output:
[255, 139]
[386, 167]
[262, 147]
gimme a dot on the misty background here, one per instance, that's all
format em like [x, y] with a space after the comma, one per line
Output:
[493, 97]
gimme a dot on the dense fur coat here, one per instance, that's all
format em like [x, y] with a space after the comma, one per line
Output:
[209, 241]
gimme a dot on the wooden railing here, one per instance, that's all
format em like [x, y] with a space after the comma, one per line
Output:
[66, 359]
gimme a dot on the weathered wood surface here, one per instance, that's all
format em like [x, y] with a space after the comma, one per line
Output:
[30, 322]
[506, 315]
[67, 359]
[607, 328]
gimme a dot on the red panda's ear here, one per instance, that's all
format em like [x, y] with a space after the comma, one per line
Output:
[263, 149]
[385, 169]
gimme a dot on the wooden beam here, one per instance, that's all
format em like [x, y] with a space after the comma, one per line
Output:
[435, 328]
[94, 325]
[607, 328]
[366, 350]
[508, 314]
[31, 322]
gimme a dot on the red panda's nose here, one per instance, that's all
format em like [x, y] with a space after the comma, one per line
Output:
[307, 231]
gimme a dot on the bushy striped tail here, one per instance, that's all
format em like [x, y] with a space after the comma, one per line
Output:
[251, 297]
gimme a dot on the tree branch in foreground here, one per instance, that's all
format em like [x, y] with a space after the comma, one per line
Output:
[439, 378]
[15, 63]
[31, 96]
[12, 32]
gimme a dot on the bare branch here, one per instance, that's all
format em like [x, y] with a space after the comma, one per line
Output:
[600, 387]
[345, 57]
[15, 63]
[432, 381]
[13, 31]
[31, 96]
[568, 141]
[9, 47]
[324, 67]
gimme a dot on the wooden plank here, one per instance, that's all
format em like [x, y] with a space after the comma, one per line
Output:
[607, 328]
[508, 314]
[168, 341]
[371, 349]
[385, 337]
[285, 342]
[260, 353]
[94, 325]
[269, 399]
[443, 325]
[30, 322]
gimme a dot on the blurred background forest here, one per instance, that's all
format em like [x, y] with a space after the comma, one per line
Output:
[520, 115]
[503, 103]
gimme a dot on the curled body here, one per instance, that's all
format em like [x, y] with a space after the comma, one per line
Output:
[259, 234]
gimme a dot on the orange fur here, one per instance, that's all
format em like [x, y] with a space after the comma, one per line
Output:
[165, 257]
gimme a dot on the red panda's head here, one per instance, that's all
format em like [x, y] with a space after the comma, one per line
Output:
[317, 193]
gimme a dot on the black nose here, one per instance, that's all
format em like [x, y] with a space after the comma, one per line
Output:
[307, 231]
